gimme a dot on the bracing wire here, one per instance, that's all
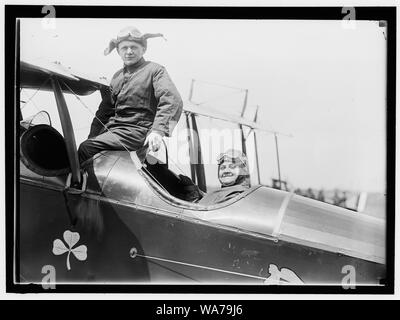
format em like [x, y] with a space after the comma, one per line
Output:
[108, 130]
[94, 115]
[34, 94]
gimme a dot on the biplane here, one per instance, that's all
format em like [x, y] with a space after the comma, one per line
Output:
[118, 220]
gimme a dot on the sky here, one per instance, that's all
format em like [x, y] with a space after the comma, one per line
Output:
[322, 82]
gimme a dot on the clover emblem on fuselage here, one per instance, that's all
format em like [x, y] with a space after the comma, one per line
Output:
[71, 239]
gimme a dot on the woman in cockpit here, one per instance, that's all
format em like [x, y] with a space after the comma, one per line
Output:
[233, 174]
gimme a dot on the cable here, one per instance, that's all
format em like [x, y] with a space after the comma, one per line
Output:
[44, 82]
[201, 267]
[93, 114]
[114, 135]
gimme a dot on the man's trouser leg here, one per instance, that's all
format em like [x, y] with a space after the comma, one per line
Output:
[115, 140]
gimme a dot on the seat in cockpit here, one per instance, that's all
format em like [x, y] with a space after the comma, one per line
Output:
[179, 186]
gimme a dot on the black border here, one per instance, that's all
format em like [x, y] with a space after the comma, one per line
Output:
[12, 12]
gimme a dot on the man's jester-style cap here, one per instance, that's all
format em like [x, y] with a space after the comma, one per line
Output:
[131, 34]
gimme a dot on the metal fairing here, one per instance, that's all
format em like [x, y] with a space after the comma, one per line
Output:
[44, 219]
[134, 234]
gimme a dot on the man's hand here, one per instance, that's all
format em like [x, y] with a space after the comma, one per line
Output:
[154, 140]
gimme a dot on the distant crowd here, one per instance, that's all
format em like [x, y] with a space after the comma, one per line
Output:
[339, 198]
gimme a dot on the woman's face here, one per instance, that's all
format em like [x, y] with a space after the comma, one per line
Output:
[228, 172]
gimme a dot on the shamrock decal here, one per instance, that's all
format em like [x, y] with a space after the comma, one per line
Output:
[71, 238]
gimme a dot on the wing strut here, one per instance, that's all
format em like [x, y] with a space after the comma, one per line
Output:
[241, 126]
[277, 158]
[196, 159]
[256, 149]
[191, 151]
[68, 132]
[199, 165]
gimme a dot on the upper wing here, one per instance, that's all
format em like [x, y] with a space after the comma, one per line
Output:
[193, 108]
[36, 75]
